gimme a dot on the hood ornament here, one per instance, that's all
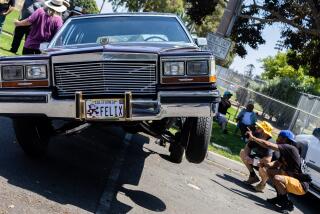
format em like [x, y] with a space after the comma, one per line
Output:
[104, 41]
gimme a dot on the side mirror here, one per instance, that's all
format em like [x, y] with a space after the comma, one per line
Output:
[44, 47]
[201, 41]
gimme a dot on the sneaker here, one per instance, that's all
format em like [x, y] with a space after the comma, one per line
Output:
[286, 207]
[252, 179]
[274, 201]
[260, 187]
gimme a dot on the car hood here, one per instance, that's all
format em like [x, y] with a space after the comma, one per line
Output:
[155, 48]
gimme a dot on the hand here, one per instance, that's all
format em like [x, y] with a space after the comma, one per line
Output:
[16, 22]
[249, 134]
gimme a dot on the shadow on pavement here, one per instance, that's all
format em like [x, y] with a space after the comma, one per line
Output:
[129, 179]
[307, 204]
[258, 201]
[73, 172]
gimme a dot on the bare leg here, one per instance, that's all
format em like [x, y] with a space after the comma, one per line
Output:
[279, 184]
[245, 160]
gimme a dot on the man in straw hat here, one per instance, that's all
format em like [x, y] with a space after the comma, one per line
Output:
[286, 173]
[45, 24]
[253, 154]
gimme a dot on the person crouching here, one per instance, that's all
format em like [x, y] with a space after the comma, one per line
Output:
[253, 154]
[286, 173]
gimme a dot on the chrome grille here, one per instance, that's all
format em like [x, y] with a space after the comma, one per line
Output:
[104, 78]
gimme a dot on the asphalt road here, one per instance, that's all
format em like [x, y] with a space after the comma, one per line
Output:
[104, 170]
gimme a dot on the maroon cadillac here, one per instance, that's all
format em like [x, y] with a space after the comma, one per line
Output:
[141, 71]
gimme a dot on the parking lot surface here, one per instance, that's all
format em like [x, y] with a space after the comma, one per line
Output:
[105, 170]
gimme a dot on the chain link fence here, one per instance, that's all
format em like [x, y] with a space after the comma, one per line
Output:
[300, 118]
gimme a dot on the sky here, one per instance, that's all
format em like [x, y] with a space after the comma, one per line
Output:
[107, 6]
[271, 34]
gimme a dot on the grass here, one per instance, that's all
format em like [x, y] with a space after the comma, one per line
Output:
[5, 39]
[230, 140]
[9, 25]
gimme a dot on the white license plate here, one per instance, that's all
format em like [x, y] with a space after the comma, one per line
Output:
[104, 108]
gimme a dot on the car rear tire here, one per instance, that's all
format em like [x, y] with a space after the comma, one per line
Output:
[33, 135]
[176, 150]
[199, 138]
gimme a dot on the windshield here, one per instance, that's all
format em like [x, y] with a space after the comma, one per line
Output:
[121, 29]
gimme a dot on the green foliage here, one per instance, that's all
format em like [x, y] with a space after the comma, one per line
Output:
[247, 33]
[89, 6]
[279, 67]
[198, 10]
[211, 22]
[186, 9]
[165, 6]
[285, 83]
[300, 28]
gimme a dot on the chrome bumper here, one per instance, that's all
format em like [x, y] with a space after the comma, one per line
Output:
[168, 104]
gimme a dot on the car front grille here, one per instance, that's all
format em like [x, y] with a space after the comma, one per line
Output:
[105, 78]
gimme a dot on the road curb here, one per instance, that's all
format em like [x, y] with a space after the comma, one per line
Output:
[227, 163]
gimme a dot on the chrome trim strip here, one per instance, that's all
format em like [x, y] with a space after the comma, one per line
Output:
[142, 109]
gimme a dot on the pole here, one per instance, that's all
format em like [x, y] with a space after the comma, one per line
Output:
[103, 2]
[229, 17]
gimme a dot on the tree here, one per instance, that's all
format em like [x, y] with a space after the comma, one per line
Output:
[167, 6]
[188, 10]
[249, 70]
[88, 6]
[279, 67]
[300, 28]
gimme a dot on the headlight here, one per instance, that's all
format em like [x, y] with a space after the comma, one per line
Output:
[35, 72]
[173, 68]
[197, 68]
[10, 73]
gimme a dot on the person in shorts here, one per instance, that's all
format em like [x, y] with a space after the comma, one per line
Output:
[224, 105]
[286, 173]
[254, 154]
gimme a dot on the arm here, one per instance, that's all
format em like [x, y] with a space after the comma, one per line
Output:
[8, 11]
[24, 22]
[263, 143]
[272, 165]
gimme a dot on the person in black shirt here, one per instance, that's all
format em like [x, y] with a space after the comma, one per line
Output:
[285, 173]
[224, 105]
[6, 7]
[254, 153]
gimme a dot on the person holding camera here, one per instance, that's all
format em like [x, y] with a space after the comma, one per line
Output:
[285, 173]
[224, 105]
[253, 155]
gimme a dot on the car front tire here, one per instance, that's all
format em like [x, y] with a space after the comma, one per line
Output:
[33, 135]
[199, 138]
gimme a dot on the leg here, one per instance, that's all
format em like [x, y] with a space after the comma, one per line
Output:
[243, 130]
[253, 178]
[279, 184]
[264, 178]
[246, 160]
[2, 19]
[19, 32]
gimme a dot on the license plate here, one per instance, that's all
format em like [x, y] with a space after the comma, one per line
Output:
[105, 108]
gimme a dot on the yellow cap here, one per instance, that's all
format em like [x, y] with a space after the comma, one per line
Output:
[266, 127]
